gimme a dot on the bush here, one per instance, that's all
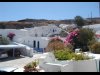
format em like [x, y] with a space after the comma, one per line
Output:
[85, 37]
[55, 44]
[91, 42]
[30, 67]
[67, 54]
[80, 57]
[70, 46]
[4, 41]
[63, 54]
[95, 48]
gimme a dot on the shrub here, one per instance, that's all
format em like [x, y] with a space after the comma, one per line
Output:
[63, 54]
[4, 41]
[67, 54]
[95, 48]
[91, 42]
[80, 57]
[55, 44]
[70, 38]
[70, 46]
[85, 36]
[80, 38]
[30, 67]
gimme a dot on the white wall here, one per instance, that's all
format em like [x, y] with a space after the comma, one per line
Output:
[80, 66]
[65, 26]
[25, 38]
[50, 65]
[85, 66]
[96, 27]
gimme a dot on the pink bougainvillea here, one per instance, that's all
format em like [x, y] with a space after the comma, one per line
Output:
[11, 35]
[71, 36]
[97, 35]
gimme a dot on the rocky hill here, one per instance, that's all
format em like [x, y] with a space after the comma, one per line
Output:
[40, 22]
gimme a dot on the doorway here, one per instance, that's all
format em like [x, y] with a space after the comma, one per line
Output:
[38, 44]
[34, 44]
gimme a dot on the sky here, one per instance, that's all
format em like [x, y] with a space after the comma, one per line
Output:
[13, 11]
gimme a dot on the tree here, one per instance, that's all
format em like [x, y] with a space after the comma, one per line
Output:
[79, 21]
[86, 35]
[85, 38]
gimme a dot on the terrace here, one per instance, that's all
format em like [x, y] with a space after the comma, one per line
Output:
[61, 55]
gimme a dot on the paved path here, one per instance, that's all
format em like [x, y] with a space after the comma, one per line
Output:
[18, 63]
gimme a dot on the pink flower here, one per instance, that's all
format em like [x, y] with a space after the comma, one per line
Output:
[11, 35]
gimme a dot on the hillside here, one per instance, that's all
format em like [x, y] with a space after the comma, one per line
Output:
[41, 22]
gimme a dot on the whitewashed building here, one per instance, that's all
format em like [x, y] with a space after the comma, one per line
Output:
[37, 37]
[95, 27]
[65, 26]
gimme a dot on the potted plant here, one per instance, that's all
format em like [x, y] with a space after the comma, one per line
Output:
[31, 67]
[67, 54]
[77, 62]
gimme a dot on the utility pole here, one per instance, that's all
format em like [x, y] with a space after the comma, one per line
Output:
[99, 9]
[91, 17]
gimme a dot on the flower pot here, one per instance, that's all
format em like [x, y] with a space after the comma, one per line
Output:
[84, 66]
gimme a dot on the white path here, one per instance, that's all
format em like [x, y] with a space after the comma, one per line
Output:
[18, 63]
